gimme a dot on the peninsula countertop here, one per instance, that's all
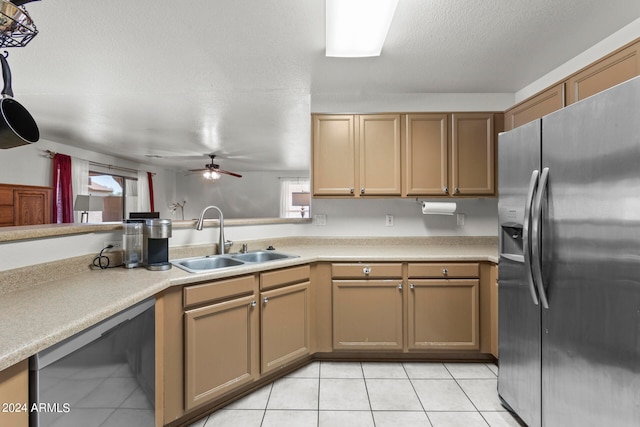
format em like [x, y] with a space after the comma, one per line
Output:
[38, 316]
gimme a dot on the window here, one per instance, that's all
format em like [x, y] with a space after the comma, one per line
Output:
[119, 193]
[295, 198]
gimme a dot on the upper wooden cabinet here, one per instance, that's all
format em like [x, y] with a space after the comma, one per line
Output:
[426, 158]
[617, 67]
[534, 108]
[472, 154]
[356, 155]
[609, 71]
[24, 205]
[442, 155]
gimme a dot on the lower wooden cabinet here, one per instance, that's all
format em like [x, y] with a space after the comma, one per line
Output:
[443, 314]
[221, 349]
[285, 325]
[14, 395]
[367, 314]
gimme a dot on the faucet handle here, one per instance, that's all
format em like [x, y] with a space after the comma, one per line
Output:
[227, 245]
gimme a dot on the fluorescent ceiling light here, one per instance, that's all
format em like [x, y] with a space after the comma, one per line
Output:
[357, 28]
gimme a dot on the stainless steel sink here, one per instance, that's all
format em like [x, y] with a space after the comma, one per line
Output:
[215, 262]
[262, 256]
[196, 265]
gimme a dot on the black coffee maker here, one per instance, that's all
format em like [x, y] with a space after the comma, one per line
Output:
[156, 244]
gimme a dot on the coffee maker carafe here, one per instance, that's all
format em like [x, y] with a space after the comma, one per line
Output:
[156, 244]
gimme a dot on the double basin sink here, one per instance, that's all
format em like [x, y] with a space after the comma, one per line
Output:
[215, 262]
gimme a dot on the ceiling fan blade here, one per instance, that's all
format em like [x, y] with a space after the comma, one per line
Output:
[237, 175]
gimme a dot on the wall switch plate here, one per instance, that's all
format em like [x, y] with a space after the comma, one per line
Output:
[320, 219]
[460, 219]
[117, 245]
[388, 220]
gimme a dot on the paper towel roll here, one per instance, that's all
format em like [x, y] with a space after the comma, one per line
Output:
[439, 208]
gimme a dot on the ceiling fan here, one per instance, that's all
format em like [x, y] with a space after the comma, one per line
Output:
[212, 171]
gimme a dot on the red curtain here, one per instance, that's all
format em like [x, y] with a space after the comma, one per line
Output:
[151, 203]
[62, 189]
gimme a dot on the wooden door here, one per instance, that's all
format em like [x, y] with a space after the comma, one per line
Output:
[472, 154]
[221, 349]
[443, 314]
[285, 325]
[334, 155]
[31, 207]
[426, 159]
[379, 147]
[367, 314]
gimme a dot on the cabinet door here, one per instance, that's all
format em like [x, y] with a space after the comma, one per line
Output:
[334, 155]
[14, 395]
[367, 314]
[31, 207]
[443, 314]
[379, 146]
[285, 326]
[610, 71]
[472, 154]
[221, 342]
[534, 108]
[426, 158]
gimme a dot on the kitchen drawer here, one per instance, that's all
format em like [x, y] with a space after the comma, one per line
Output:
[367, 270]
[286, 276]
[444, 270]
[218, 290]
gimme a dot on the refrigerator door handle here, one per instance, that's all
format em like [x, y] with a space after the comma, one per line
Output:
[535, 234]
[526, 241]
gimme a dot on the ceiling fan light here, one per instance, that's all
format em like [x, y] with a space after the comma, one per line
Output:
[206, 175]
[357, 28]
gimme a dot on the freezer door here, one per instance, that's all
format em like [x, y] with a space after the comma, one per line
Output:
[591, 262]
[519, 317]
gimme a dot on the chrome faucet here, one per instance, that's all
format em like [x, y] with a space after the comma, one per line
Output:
[200, 222]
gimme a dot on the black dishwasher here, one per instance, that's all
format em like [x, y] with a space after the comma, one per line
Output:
[103, 376]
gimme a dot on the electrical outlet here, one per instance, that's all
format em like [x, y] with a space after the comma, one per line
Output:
[460, 219]
[117, 245]
[388, 220]
[320, 219]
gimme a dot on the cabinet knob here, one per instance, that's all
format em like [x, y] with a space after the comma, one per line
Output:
[351, 190]
[361, 190]
[265, 300]
[457, 190]
[412, 286]
[445, 190]
[366, 271]
[445, 271]
[400, 286]
[253, 304]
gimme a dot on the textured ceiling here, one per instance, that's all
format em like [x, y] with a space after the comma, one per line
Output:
[180, 79]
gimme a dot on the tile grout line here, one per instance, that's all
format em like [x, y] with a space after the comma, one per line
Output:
[417, 395]
[465, 393]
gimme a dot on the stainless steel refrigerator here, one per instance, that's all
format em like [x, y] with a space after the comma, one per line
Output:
[569, 267]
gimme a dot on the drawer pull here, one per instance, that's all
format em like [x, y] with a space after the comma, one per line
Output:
[445, 271]
[366, 271]
[265, 300]
[412, 286]
[400, 286]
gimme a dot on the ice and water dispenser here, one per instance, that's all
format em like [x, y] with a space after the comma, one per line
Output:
[511, 228]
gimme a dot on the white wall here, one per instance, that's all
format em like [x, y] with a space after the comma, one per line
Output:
[618, 39]
[29, 165]
[255, 195]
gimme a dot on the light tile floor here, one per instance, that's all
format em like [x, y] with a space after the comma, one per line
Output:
[353, 394]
